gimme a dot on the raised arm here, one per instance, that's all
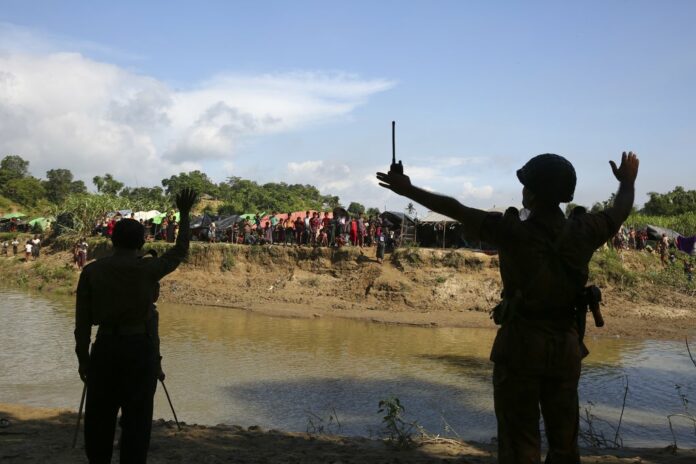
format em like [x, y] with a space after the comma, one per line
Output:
[401, 184]
[626, 174]
[175, 255]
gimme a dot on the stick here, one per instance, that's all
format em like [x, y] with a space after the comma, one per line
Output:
[79, 415]
[170, 404]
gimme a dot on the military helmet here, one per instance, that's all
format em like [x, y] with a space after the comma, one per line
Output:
[550, 176]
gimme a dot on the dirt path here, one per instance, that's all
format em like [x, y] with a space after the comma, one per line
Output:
[36, 435]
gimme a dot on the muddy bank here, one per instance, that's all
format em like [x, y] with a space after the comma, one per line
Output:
[38, 435]
[427, 287]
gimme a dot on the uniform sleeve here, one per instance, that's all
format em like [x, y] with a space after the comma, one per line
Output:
[169, 261]
[83, 318]
[480, 225]
[598, 227]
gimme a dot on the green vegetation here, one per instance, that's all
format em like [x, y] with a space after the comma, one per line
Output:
[684, 223]
[399, 433]
[629, 269]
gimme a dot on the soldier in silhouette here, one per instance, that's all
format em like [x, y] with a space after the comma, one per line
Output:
[544, 268]
[117, 294]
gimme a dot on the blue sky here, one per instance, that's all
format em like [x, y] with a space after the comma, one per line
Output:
[306, 92]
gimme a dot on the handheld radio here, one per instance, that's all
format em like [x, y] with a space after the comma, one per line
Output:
[395, 167]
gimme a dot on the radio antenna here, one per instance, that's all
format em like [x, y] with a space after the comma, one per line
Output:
[393, 142]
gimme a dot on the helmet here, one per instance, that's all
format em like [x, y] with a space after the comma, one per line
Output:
[550, 176]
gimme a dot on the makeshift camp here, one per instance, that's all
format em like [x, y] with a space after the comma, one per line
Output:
[225, 223]
[394, 219]
[201, 222]
[655, 233]
[436, 229]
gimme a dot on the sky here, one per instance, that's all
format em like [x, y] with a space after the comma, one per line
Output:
[305, 92]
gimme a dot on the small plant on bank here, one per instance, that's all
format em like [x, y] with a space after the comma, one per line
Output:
[686, 415]
[399, 433]
[592, 433]
[318, 425]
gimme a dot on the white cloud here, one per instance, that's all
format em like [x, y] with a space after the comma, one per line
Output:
[328, 176]
[61, 109]
[480, 193]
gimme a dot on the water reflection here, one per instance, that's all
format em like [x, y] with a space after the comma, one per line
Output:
[238, 367]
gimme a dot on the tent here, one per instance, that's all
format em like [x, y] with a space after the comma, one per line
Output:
[146, 215]
[433, 217]
[395, 218]
[655, 233]
[43, 222]
[158, 219]
[201, 221]
[227, 222]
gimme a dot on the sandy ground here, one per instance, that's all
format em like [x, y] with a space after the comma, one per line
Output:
[36, 435]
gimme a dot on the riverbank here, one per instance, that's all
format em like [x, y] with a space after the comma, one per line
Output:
[44, 435]
[425, 287]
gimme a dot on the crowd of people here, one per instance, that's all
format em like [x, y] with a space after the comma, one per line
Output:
[32, 247]
[314, 229]
[631, 238]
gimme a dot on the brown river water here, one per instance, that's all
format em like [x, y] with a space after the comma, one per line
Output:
[237, 367]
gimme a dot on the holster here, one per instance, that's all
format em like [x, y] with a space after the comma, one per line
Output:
[589, 300]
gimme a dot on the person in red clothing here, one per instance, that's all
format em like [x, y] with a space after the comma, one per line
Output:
[354, 232]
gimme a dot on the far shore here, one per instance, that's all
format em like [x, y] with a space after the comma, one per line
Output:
[414, 286]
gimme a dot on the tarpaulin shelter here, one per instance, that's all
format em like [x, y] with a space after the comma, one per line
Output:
[13, 215]
[655, 233]
[433, 217]
[687, 244]
[146, 215]
[201, 221]
[395, 218]
[42, 222]
[227, 222]
[251, 216]
[432, 224]
[160, 218]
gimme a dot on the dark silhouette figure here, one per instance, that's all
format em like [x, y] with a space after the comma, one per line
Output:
[117, 294]
[544, 268]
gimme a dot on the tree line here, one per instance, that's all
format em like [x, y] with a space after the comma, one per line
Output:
[235, 195]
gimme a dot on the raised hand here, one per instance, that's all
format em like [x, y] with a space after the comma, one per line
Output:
[185, 199]
[398, 183]
[628, 170]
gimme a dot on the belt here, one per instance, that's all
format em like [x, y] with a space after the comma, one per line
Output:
[553, 314]
[122, 329]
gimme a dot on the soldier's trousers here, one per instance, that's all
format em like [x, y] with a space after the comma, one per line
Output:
[121, 375]
[518, 397]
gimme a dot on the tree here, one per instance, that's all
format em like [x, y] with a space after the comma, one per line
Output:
[146, 198]
[59, 184]
[14, 167]
[26, 190]
[678, 201]
[107, 184]
[197, 180]
[372, 212]
[356, 208]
